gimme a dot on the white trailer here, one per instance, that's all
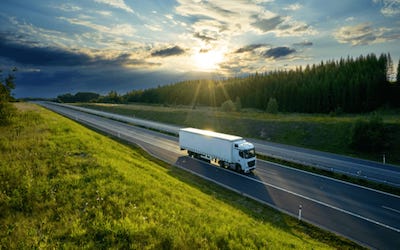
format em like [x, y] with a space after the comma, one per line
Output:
[228, 151]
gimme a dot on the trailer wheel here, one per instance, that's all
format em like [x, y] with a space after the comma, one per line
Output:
[205, 160]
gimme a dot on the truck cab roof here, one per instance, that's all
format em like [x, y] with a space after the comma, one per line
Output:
[245, 145]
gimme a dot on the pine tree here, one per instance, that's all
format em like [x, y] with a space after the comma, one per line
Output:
[272, 106]
[389, 69]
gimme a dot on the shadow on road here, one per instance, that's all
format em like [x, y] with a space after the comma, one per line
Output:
[240, 192]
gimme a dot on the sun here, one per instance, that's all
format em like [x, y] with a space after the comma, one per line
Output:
[208, 60]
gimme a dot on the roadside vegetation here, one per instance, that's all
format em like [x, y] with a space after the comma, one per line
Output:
[7, 110]
[65, 186]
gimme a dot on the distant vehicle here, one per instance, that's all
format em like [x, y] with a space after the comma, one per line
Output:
[229, 151]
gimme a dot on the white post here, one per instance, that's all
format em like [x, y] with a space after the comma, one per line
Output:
[384, 159]
[300, 207]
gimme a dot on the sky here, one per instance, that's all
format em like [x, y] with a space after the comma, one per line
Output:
[75, 46]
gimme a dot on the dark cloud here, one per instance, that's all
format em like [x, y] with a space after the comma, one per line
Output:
[279, 52]
[30, 53]
[251, 47]
[173, 51]
[204, 37]
[41, 56]
[303, 44]
[270, 24]
[50, 82]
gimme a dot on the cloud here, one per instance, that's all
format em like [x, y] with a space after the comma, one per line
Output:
[279, 52]
[172, 51]
[120, 4]
[204, 37]
[282, 26]
[218, 22]
[67, 7]
[270, 24]
[52, 82]
[303, 44]
[223, 17]
[31, 54]
[364, 34]
[41, 55]
[124, 29]
[293, 7]
[390, 8]
[250, 48]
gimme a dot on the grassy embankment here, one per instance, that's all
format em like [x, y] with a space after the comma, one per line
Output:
[320, 132]
[65, 186]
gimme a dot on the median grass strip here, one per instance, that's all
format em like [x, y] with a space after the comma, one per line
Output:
[65, 186]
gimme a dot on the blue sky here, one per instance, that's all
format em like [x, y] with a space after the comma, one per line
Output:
[102, 45]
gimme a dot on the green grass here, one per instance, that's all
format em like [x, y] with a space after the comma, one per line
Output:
[315, 131]
[65, 186]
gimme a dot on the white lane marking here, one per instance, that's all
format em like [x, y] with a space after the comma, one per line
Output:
[391, 209]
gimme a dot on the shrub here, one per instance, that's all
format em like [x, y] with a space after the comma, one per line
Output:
[6, 109]
[228, 106]
[272, 106]
[369, 136]
[238, 104]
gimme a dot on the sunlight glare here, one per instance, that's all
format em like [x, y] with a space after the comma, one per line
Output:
[208, 61]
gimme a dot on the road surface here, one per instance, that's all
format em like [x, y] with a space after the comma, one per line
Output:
[369, 217]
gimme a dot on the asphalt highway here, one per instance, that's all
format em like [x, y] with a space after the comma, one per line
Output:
[369, 217]
[374, 171]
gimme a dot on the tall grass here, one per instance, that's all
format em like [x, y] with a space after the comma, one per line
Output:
[65, 186]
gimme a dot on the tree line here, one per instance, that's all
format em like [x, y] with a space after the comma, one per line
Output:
[7, 84]
[350, 85]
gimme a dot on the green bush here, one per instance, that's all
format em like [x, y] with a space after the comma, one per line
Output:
[6, 109]
[272, 106]
[228, 106]
[369, 136]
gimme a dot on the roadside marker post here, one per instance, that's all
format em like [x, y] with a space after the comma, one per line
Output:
[300, 207]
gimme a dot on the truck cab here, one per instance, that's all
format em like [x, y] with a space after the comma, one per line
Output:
[245, 156]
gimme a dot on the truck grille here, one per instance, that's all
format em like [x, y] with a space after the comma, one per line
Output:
[251, 164]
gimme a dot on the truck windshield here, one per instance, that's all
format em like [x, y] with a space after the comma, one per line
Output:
[247, 154]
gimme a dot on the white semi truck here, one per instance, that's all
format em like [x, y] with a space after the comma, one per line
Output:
[228, 151]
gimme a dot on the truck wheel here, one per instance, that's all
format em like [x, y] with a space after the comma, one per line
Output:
[221, 164]
[238, 168]
[190, 153]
